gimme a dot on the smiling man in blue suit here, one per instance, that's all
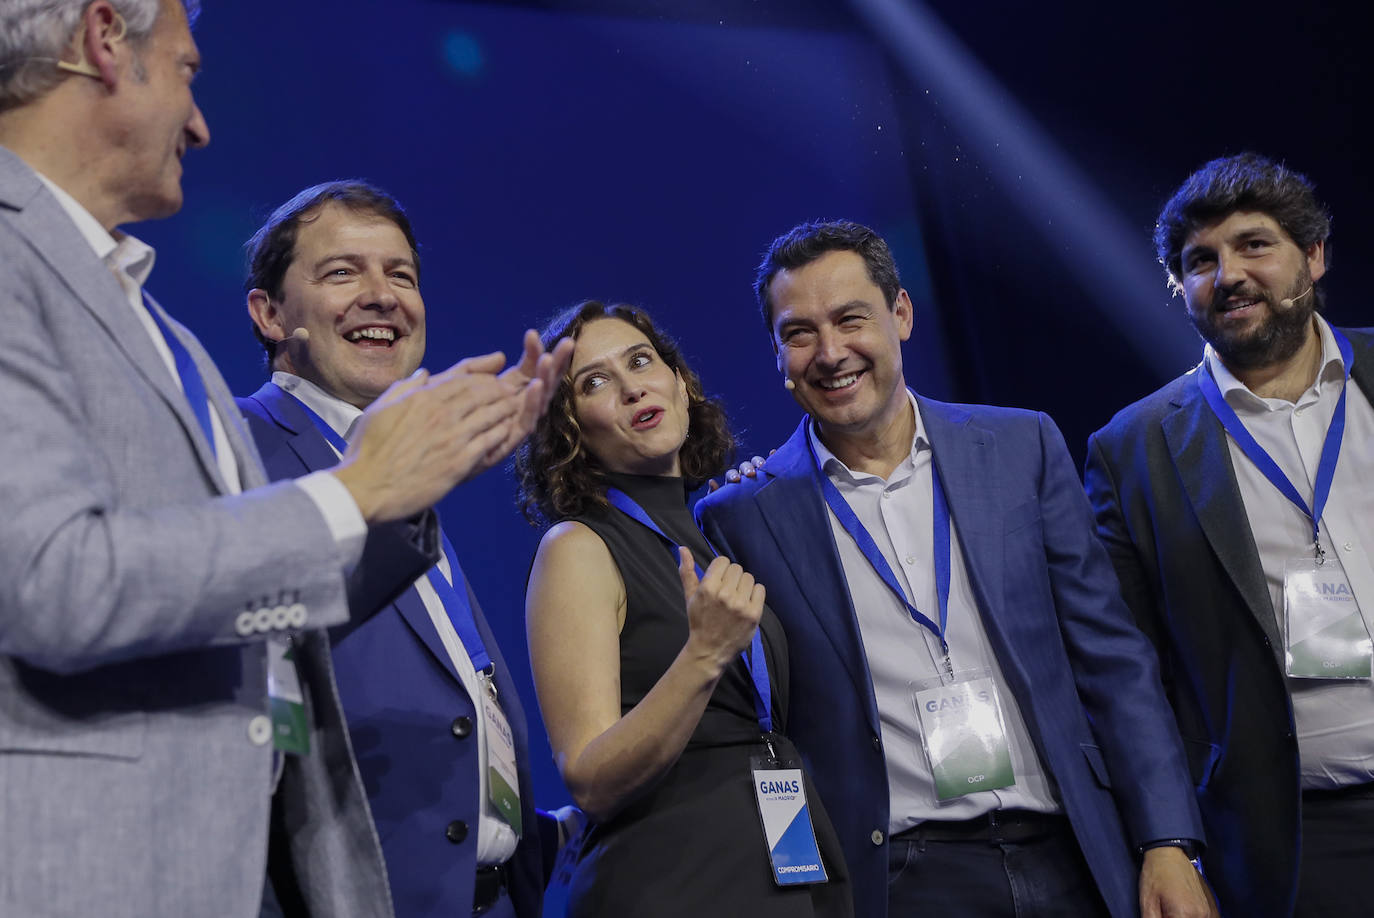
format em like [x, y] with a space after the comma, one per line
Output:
[432, 712]
[984, 721]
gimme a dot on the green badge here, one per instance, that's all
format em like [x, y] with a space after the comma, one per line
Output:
[1324, 632]
[290, 725]
[963, 735]
[502, 778]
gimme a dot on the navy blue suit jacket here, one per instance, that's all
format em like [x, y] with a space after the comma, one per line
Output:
[411, 721]
[1085, 678]
[1170, 512]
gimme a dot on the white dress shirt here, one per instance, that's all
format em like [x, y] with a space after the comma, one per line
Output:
[903, 655]
[496, 840]
[130, 260]
[1335, 719]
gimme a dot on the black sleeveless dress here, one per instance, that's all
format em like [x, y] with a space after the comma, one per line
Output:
[692, 845]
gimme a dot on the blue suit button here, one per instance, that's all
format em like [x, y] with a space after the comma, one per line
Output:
[456, 831]
[461, 727]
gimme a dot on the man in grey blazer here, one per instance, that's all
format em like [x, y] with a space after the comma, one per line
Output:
[152, 580]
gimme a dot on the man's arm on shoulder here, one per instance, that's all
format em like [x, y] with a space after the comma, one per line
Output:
[1115, 667]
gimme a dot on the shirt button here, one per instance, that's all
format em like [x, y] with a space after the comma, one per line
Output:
[260, 730]
[461, 727]
[877, 837]
[1348, 547]
[887, 495]
[456, 831]
[910, 559]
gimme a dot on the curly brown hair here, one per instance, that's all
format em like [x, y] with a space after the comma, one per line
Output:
[558, 478]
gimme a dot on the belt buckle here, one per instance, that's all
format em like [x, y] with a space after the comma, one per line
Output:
[486, 892]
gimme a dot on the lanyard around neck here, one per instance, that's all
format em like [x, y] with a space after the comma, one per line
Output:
[1331, 445]
[940, 545]
[192, 384]
[453, 596]
[754, 660]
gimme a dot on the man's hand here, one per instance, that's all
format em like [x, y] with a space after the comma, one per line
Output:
[1171, 887]
[537, 375]
[427, 434]
[749, 468]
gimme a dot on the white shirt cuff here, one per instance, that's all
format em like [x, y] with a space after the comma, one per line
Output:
[340, 512]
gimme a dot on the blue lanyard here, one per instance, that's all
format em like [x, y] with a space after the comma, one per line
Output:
[455, 603]
[754, 660]
[329, 433]
[1331, 446]
[459, 609]
[192, 385]
[940, 545]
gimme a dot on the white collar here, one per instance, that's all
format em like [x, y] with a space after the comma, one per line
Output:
[132, 255]
[337, 413]
[1231, 387]
[832, 464]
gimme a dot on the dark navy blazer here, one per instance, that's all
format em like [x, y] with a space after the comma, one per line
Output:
[1084, 676]
[412, 723]
[1170, 512]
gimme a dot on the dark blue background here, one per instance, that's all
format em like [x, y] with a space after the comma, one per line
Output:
[647, 152]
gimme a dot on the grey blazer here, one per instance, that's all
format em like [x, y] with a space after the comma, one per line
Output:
[135, 779]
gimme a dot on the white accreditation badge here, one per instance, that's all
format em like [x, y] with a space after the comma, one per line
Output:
[963, 734]
[787, 830]
[1324, 633]
[290, 726]
[503, 781]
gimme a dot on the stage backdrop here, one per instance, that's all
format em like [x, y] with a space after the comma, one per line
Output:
[1015, 155]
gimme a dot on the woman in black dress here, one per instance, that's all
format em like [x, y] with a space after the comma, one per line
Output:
[649, 675]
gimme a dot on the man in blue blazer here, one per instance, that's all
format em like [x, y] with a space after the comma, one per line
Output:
[334, 297]
[1283, 764]
[927, 558]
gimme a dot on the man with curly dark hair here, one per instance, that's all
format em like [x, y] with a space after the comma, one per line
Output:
[1225, 498]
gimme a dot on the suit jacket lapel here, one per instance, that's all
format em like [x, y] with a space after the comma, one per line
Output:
[413, 611]
[314, 450]
[249, 465]
[1201, 457]
[965, 455]
[1363, 369]
[60, 244]
[305, 441]
[793, 507]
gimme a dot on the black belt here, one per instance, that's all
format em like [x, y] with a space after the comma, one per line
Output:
[1344, 792]
[993, 826]
[490, 882]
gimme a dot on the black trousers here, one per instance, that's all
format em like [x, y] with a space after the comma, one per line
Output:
[1337, 853]
[1030, 871]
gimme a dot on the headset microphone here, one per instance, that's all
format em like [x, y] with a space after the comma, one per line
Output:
[300, 334]
[788, 384]
[1288, 301]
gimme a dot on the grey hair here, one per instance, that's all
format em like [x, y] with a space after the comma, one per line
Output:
[34, 34]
